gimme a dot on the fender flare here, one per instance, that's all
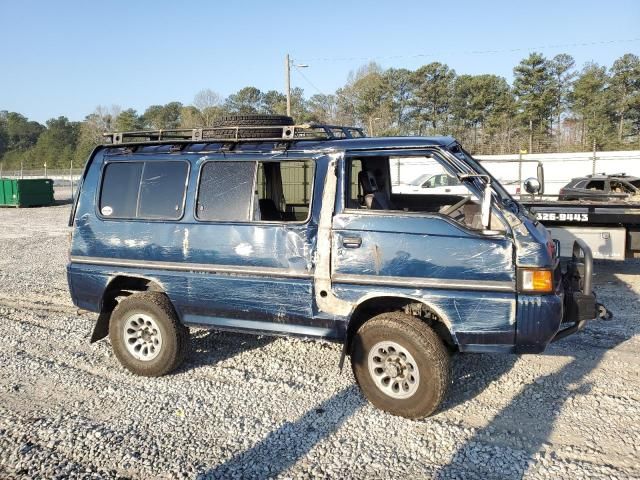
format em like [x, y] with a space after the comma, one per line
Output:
[138, 283]
[379, 296]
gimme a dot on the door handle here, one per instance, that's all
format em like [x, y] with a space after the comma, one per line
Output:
[351, 242]
[447, 189]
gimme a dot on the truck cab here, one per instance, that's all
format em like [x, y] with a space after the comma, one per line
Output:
[298, 230]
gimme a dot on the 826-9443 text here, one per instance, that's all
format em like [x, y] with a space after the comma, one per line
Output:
[562, 217]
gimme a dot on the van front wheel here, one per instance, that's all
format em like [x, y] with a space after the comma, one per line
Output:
[401, 365]
[146, 334]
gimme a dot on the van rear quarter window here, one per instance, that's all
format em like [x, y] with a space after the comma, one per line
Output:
[150, 190]
[120, 184]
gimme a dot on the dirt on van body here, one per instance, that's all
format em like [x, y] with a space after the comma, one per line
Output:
[247, 406]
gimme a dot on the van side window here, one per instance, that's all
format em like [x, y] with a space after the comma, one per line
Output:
[283, 191]
[225, 191]
[414, 184]
[162, 190]
[120, 184]
[151, 190]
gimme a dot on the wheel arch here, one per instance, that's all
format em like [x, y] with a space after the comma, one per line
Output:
[374, 304]
[118, 286]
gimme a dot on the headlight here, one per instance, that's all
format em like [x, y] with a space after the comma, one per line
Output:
[535, 281]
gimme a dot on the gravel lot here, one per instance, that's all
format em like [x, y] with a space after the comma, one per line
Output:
[246, 406]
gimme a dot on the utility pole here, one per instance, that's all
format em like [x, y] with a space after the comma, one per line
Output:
[530, 135]
[287, 72]
[287, 80]
[371, 122]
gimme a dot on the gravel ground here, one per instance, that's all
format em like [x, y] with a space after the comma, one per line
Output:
[247, 406]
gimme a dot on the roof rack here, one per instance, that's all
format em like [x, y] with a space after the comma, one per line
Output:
[239, 133]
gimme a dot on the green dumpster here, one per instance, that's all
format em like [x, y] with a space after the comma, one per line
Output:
[24, 192]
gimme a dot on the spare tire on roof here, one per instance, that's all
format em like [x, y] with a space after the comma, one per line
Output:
[247, 121]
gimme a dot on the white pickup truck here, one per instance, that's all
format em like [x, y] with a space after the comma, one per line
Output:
[435, 184]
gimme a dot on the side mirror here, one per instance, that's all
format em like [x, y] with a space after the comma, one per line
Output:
[532, 185]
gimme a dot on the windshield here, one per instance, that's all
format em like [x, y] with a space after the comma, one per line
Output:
[503, 196]
[462, 154]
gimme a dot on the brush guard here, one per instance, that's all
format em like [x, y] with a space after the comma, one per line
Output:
[580, 305]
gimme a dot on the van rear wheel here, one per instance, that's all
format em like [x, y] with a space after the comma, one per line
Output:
[401, 365]
[146, 334]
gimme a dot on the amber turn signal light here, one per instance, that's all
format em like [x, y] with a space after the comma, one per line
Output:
[539, 281]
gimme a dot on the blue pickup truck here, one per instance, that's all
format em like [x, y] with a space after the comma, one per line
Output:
[259, 225]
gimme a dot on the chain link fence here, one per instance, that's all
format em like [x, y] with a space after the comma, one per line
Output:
[513, 143]
[65, 181]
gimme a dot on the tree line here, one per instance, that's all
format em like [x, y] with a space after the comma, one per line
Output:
[551, 105]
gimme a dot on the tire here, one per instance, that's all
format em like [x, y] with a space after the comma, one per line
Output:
[252, 120]
[249, 121]
[376, 356]
[139, 315]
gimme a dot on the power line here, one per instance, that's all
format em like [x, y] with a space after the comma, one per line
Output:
[470, 52]
[308, 81]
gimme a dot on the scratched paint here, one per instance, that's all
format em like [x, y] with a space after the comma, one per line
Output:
[185, 243]
[461, 311]
[419, 247]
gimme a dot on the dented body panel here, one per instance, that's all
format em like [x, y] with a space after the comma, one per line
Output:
[308, 278]
[396, 245]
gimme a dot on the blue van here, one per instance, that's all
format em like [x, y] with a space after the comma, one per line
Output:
[259, 225]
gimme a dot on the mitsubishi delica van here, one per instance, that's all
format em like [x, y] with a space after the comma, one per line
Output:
[259, 225]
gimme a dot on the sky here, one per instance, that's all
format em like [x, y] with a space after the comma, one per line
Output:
[67, 57]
